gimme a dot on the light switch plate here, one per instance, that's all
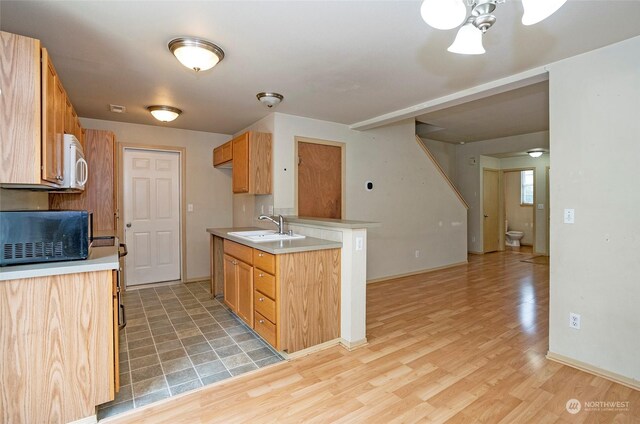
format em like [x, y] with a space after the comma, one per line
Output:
[189, 207]
[569, 216]
[359, 243]
[540, 206]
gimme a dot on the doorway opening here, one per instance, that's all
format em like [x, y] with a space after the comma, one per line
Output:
[153, 213]
[320, 178]
[519, 194]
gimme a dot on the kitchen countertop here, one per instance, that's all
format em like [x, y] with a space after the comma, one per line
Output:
[100, 259]
[277, 247]
[328, 222]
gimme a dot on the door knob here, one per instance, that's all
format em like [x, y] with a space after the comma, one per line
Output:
[128, 225]
[486, 216]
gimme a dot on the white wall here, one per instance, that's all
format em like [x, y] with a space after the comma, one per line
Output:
[470, 160]
[594, 126]
[208, 189]
[445, 154]
[416, 207]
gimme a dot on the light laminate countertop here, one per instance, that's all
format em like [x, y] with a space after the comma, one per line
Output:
[277, 247]
[100, 259]
[328, 222]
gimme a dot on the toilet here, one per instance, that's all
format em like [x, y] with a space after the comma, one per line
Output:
[513, 237]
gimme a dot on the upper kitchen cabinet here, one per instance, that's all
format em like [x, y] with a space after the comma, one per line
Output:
[33, 106]
[222, 155]
[252, 163]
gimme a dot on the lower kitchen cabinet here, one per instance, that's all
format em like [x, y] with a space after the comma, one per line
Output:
[238, 281]
[292, 300]
[57, 346]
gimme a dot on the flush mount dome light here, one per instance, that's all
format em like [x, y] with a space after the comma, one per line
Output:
[270, 99]
[164, 113]
[196, 53]
[535, 153]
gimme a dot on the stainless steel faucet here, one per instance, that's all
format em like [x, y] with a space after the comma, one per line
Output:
[279, 222]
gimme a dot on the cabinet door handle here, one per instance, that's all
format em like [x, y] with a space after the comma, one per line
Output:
[235, 262]
[261, 321]
[260, 275]
[260, 254]
[261, 299]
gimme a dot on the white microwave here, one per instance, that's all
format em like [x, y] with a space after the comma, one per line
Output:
[76, 170]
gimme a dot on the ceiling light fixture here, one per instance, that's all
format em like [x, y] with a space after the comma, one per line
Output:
[196, 53]
[535, 153]
[164, 113]
[270, 99]
[446, 14]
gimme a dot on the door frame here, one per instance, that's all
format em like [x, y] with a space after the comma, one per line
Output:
[343, 171]
[182, 153]
[548, 209]
[503, 207]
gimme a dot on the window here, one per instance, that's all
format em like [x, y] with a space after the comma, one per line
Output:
[526, 187]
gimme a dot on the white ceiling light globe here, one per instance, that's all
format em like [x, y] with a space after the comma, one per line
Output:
[538, 10]
[443, 14]
[468, 41]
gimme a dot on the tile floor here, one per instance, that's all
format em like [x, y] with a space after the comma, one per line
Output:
[177, 339]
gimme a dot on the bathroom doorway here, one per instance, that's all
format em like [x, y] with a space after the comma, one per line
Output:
[519, 208]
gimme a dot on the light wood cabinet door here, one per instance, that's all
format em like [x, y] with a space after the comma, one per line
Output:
[230, 287]
[116, 333]
[241, 164]
[69, 114]
[223, 154]
[20, 129]
[244, 275]
[54, 106]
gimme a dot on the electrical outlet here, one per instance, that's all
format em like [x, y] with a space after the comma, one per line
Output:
[270, 209]
[473, 239]
[569, 216]
[574, 320]
[261, 209]
[417, 253]
[189, 207]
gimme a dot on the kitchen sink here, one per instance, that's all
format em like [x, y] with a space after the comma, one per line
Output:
[259, 236]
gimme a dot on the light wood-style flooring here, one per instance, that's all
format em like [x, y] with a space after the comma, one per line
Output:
[462, 345]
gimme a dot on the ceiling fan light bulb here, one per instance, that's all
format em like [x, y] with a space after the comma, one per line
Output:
[443, 14]
[538, 10]
[468, 41]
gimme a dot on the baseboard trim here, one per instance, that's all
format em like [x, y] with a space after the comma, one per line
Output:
[310, 350]
[475, 252]
[409, 274]
[92, 419]
[353, 345]
[194, 280]
[582, 366]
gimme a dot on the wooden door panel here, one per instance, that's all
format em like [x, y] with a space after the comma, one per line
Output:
[490, 207]
[230, 288]
[245, 292]
[319, 180]
[241, 164]
[48, 118]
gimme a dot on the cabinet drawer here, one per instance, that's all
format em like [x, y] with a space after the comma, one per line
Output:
[265, 261]
[239, 251]
[265, 306]
[264, 282]
[266, 329]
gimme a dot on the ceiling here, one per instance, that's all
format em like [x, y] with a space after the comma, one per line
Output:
[341, 61]
[521, 111]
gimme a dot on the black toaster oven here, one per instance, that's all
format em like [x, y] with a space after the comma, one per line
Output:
[44, 236]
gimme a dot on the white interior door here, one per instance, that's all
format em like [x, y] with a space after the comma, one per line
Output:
[152, 215]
